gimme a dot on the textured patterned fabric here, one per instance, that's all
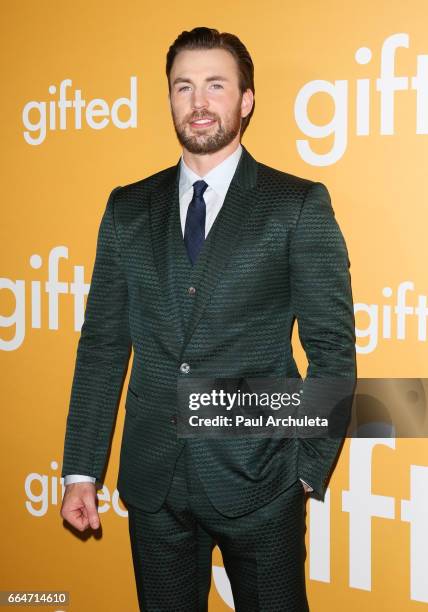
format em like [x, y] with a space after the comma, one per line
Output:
[263, 551]
[274, 253]
[171, 553]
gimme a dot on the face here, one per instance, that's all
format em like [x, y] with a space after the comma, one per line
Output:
[207, 105]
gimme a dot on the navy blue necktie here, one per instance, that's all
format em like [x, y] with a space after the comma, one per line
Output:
[194, 231]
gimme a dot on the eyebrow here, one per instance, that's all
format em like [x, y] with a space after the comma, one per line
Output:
[187, 80]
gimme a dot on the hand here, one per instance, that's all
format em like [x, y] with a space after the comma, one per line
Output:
[79, 506]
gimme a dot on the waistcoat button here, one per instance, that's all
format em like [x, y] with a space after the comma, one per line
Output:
[191, 291]
[185, 368]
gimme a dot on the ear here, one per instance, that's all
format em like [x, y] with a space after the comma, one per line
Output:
[247, 102]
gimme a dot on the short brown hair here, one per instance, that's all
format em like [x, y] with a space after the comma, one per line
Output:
[210, 38]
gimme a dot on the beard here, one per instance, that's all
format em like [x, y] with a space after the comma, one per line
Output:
[205, 142]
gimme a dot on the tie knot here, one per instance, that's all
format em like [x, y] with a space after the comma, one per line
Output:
[199, 188]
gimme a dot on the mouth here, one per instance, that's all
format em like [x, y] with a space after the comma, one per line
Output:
[202, 123]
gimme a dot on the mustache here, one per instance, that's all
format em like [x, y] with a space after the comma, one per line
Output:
[204, 116]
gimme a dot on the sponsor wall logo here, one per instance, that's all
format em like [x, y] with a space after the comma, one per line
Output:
[387, 84]
[67, 110]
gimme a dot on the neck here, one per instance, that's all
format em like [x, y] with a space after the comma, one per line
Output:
[202, 164]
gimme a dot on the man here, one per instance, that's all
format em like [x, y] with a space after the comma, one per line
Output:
[203, 268]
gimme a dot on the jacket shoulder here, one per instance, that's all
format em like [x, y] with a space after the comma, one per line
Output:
[267, 175]
[285, 192]
[132, 200]
[146, 184]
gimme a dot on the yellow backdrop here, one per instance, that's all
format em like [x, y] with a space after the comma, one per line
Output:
[342, 98]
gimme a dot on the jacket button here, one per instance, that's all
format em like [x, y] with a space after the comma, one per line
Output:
[185, 368]
[191, 291]
[173, 419]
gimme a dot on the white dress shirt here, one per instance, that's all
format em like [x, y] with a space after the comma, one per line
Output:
[218, 180]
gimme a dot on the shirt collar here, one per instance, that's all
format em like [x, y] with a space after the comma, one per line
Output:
[218, 178]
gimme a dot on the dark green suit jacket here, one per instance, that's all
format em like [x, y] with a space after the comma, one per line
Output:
[274, 253]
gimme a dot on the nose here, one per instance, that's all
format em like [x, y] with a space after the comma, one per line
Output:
[199, 99]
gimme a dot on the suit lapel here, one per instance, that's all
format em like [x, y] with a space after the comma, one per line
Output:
[227, 227]
[165, 230]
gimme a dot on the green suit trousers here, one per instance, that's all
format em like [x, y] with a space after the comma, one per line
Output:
[263, 551]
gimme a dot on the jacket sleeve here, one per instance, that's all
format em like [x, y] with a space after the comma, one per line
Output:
[322, 302]
[103, 353]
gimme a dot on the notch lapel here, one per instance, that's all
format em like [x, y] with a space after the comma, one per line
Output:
[164, 207]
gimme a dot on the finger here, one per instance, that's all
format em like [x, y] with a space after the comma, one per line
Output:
[91, 512]
[81, 519]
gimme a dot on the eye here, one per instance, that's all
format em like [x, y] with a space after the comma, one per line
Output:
[217, 85]
[184, 87]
